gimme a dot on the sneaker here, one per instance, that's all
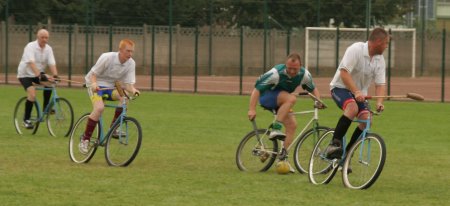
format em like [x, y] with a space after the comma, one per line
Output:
[84, 146]
[116, 134]
[277, 134]
[27, 124]
[333, 151]
[283, 155]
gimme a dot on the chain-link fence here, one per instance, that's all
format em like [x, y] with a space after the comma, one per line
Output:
[208, 44]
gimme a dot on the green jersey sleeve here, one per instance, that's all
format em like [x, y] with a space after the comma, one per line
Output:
[267, 81]
[307, 81]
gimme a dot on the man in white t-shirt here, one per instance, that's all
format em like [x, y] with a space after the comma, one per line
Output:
[109, 68]
[362, 64]
[37, 56]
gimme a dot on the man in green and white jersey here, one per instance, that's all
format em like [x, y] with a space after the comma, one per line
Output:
[274, 92]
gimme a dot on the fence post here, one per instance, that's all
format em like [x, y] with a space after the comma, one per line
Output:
[111, 37]
[30, 32]
[266, 26]
[210, 39]
[337, 47]
[6, 41]
[389, 65]
[170, 43]
[241, 60]
[70, 55]
[196, 60]
[288, 42]
[153, 59]
[443, 65]
[2, 42]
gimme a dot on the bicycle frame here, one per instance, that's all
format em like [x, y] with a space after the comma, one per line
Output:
[119, 119]
[313, 121]
[362, 137]
[53, 98]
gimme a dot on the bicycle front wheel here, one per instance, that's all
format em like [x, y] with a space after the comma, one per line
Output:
[60, 122]
[366, 159]
[123, 142]
[76, 135]
[305, 146]
[256, 153]
[321, 169]
[19, 115]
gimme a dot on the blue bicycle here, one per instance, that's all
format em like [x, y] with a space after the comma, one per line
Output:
[122, 141]
[58, 114]
[361, 165]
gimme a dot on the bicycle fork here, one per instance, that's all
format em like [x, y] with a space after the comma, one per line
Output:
[259, 149]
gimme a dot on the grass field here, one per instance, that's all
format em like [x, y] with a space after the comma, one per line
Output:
[188, 158]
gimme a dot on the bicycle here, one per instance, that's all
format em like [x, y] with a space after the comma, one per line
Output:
[366, 158]
[58, 114]
[256, 152]
[121, 141]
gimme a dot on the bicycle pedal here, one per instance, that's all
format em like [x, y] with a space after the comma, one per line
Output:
[264, 157]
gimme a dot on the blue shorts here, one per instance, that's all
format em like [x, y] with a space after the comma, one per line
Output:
[343, 96]
[106, 93]
[101, 95]
[269, 99]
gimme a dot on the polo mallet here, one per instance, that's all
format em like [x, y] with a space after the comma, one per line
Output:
[413, 96]
[72, 81]
[119, 88]
[314, 98]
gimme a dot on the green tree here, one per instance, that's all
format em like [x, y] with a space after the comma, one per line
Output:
[225, 13]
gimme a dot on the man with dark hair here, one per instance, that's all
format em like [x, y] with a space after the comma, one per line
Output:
[362, 64]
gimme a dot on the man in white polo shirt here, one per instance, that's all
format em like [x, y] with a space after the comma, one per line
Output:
[109, 68]
[362, 64]
[37, 56]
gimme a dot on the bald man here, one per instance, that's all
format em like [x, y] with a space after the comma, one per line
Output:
[37, 56]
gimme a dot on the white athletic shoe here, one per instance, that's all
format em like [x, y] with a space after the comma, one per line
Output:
[277, 134]
[84, 146]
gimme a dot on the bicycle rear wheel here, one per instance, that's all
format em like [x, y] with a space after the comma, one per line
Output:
[19, 114]
[366, 159]
[60, 123]
[75, 138]
[122, 149]
[305, 146]
[321, 169]
[256, 153]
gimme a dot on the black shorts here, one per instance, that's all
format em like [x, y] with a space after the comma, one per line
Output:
[28, 81]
